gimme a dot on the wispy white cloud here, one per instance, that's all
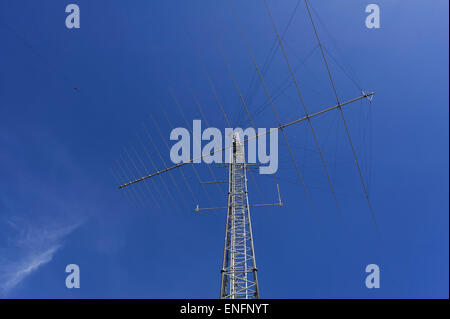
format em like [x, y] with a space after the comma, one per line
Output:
[16, 272]
[38, 207]
[36, 247]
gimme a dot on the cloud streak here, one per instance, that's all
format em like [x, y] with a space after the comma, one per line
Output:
[36, 247]
[38, 207]
[19, 271]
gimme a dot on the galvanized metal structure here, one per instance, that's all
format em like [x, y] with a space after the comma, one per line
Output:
[239, 272]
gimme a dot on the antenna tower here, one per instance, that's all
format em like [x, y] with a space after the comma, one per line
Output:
[239, 273]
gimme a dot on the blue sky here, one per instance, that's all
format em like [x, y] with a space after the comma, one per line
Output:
[59, 202]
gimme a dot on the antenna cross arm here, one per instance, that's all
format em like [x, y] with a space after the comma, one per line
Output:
[198, 209]
[327, 110]
[214, 182]
[153, 174]
[301, 119]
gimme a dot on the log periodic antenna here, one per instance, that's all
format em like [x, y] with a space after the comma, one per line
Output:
[239, 277]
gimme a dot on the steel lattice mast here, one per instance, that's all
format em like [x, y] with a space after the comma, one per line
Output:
[239, 272]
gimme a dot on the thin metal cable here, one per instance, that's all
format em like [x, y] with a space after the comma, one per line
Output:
[165, 166]
[297, 121]
[343, 120]
[147, 171]
[238, 90]
[138, 196]
[269, 58]
[305, 109]
[228, 123]
[333, 40]
[146, 184]
[261, 197]
[213, 89]
[285, 84]
[192, 164]
[197, 103]
[343, 70]
[140, 190]
[155, 168]
[134, 191]
[121, 173]
[188, 186]
[322, 51]
[275, 113]
[117, 179]
[190, 129]
[236, 86]
[316, 85]
[145, 168]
